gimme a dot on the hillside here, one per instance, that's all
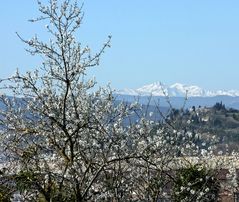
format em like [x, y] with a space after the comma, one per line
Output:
[218, 121]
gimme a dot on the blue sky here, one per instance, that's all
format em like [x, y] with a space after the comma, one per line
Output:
[188, 41]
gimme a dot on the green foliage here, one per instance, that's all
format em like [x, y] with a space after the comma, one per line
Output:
[25, 180]
[195, 183]
[5, 194]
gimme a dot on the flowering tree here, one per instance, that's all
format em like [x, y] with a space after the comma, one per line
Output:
[64, 140]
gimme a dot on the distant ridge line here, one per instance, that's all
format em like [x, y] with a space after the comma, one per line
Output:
[176, 90]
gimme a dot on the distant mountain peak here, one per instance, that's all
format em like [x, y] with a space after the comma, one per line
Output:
[176, 90]
[176, 85]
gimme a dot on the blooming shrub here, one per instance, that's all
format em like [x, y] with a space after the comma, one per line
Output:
[195, 183]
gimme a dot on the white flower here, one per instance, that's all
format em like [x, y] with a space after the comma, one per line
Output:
[182, 188]
[192, 191]
[207, 189]
[203, 152]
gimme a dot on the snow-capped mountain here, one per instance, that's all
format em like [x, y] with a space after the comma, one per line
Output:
[176, 90]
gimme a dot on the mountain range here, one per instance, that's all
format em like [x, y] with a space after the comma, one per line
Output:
[176, 90]
[179, 93]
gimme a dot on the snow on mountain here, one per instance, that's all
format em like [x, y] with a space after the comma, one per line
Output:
[127, 92]
[179, 90]
[154, 89]
[176, 90]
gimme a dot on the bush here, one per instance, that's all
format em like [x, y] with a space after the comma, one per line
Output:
[196, 183]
